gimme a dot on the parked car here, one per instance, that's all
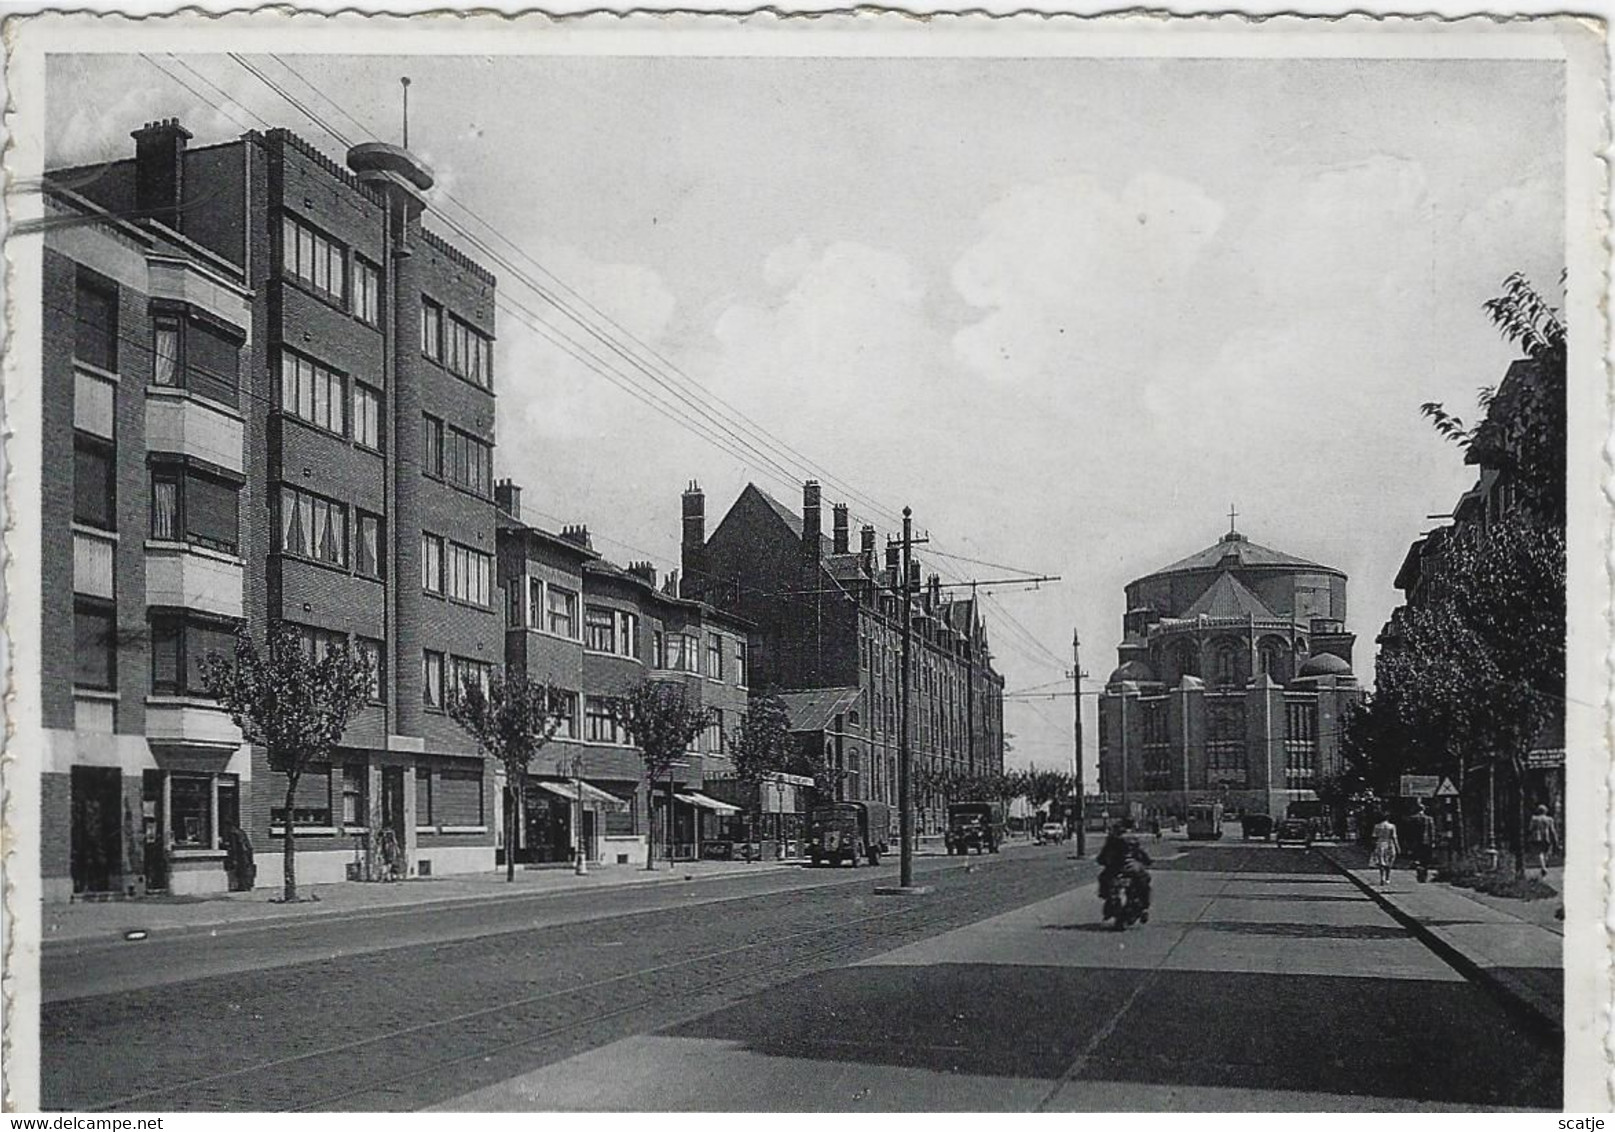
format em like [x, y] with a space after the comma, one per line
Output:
[1205, 821]
[1294, 831]
[1256, 825]
[1050, 831]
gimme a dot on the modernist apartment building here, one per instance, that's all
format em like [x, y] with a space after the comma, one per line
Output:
[1234, 670]
[1489, 798]
[592, 630]
[274, 390]
[829, 625]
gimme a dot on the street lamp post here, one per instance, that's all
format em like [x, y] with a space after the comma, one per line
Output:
[580, 856]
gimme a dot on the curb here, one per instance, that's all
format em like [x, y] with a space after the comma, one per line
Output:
[1521, 1006]
[115, 936]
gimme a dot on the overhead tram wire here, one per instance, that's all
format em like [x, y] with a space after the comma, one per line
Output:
[204, 99]
[526, 280]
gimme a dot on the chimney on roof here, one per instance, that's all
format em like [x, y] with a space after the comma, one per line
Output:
[936, 591]
[644, 571]
[577, 535]
[507, 496]
[812, 527]
[894, 564]
[160, 170]
[866, 547]
[693, 549]
[914, 575]
[838, 528]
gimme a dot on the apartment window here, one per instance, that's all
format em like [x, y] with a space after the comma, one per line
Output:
[658, 649]
[367, 416]
[431, 329]
[312, 392]
[534, 612]
[94, 482]
[313, 257]
[354, 776]
[95, 337]
[470, 575]
[513, 604]
[469, 353]
[375, 654]
[95, 644]
[599, 724]
[432, 678]
[690, 653]
[714, 656]
[313, 527]
[469, 462]
[463, 672]
[715, 733]
[311, 807]
[565, 706]
[202, 357]
[432, 446]
[611, 631]
[320, 643]
[180, 641]
[192, 506]
[431, 564]
[366, 290]
[740, 664]
[368, 545]
[563, 612]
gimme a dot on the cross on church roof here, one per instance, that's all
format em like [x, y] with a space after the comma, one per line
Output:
[1232, 515]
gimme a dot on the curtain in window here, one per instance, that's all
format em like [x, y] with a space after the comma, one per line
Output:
[164, 509]
[294, 528]
[369, 544]
[165, 361]
[332, 538]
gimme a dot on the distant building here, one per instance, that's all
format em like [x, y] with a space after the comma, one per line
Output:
[592, 631]
[1233, 672]
[268, 397]
[829, 620]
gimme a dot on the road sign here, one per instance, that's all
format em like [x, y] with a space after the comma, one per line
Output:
[1420, 785]
[1545, 759]
[1446, 789]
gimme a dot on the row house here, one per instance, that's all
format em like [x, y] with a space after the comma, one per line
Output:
[830, 640]
[591, 631]
[274, 390]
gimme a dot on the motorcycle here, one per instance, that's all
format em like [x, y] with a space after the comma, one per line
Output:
[1122, 904]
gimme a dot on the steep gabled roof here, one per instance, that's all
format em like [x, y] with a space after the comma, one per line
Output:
[791, 518]
[815, 709]
[1227, 597]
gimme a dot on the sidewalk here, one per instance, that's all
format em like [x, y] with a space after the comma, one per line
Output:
[88, 922]
[1517, 953]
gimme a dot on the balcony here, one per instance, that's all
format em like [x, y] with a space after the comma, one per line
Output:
[178, 422]
[183, 576]
[188, 719]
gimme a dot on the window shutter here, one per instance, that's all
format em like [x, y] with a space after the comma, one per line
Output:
[212, 512]
[214, 361]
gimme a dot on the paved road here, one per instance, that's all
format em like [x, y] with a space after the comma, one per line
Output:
[1264, 981]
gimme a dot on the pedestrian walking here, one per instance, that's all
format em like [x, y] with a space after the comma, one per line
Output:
[1543, 839]
[1386, 849]
[1424, 827]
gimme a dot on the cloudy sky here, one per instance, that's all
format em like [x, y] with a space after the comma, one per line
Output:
[1069, 310]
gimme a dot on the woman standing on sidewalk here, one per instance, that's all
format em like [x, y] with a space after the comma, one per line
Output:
[1386, 848]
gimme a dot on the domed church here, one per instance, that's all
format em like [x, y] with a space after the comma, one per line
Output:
[1233, 672]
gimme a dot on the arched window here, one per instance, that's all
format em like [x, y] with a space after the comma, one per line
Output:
[1186, 659]
[1227, 671]
[1270, 659]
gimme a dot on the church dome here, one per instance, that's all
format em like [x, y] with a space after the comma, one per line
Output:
[1324, 664]
[1134, 671]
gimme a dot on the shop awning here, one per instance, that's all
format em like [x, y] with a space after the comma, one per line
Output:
[694, 798]
[592, 795]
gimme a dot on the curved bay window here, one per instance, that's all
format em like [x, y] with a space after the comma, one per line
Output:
[193, 351]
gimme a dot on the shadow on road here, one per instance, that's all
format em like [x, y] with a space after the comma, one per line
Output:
[1305, 931]
[1401, 1039]
[1210, 857]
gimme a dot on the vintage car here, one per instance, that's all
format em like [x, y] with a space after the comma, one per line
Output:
[974, 825]
[1050, 832]
[1294, 831]
[1256, 825]
[846, 831]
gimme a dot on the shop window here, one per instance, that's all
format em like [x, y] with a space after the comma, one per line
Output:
[190, 801]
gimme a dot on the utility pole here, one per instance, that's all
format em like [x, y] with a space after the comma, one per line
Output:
[1076, 696]
[905, 800]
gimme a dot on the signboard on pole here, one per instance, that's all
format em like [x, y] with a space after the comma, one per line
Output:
[1420, 785]
[1545, 759]
[1446, 789]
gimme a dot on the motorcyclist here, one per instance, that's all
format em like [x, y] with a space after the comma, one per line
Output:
[1123, 857]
